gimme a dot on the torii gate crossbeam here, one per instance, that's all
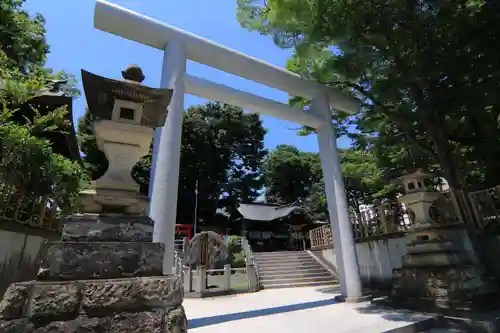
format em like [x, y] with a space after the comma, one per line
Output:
[178, 46]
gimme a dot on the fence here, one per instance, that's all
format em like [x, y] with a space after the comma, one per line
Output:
[217, 281]
[386, 218]
[25, 210]
[486, 205]
[321, 237]
[25, 224]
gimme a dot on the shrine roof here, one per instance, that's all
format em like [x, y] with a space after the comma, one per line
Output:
[268, 212]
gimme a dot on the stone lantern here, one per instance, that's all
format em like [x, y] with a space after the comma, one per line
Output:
[127, 114]
[419, 197]
[439, 272]
[106, 273]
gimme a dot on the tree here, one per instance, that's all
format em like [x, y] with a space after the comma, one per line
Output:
[293, 176]
[290, 174]
[28, 166]
[22, 38]
[425, 70]
[221, 155]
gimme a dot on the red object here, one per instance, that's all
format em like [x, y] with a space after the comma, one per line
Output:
[184, 228]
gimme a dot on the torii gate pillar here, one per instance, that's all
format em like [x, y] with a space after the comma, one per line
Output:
[338, 210]
[178, 46]
[164, 179]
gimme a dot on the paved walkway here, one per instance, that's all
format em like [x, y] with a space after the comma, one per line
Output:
[311, 309]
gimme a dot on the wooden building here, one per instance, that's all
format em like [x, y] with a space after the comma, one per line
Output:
[271, 227]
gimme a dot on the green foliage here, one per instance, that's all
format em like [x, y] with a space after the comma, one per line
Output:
[22, 37]
[293, 176]
[290, 174]
[94, 160]
[222, 151]
[238, 256]
[426, 72]
[29, 165]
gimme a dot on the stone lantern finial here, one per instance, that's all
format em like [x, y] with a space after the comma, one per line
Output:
[133, 73]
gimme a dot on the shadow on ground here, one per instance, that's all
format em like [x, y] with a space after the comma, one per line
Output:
[335, 290]
[393, 314]
[200, 322]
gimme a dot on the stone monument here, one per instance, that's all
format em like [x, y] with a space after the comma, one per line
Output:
[127, 114]
[105, 274]
[440, 271]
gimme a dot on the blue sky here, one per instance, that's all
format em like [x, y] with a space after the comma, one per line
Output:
[76, 45]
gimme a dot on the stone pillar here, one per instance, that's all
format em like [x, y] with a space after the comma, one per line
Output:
[166, 154]
[253, 280]
[188, 279]
[201, 281]
[185, 244]
[227, 277]
[105, 275]
[341, 227]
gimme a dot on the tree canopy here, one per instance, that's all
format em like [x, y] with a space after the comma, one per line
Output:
[28, 165]
[294, 176]
[426, 71]
[22, 37]
[221, 155]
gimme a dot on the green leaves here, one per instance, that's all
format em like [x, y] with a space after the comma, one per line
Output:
[22, 37]
[427, 73]
[221, 156]
[294, 176]
[28, 164]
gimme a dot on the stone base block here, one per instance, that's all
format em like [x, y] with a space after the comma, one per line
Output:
[174, 321]
[107, 228]
[80, 324]
[99, 260]
[125, 201]
[48, 301]
[16, 326]
[465, 286]
[427, 259]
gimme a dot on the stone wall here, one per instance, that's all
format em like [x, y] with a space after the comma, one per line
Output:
[377, 258]
[103, 276]
[19, 253]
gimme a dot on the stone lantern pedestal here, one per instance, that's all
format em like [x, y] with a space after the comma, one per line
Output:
[105, 273]
[440, 271]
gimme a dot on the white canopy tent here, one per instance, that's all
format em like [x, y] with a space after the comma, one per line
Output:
[178, 46]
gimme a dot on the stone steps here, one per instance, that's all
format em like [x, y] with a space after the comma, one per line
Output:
[296, 274]
[291, 269]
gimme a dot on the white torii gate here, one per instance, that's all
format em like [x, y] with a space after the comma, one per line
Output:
[178, 46]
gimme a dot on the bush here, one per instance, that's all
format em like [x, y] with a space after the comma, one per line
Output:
[238, 257]
[29, 166]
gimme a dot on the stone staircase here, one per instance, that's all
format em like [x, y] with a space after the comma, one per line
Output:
[291, 269]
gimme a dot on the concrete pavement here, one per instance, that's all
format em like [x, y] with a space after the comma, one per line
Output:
[309, 309]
